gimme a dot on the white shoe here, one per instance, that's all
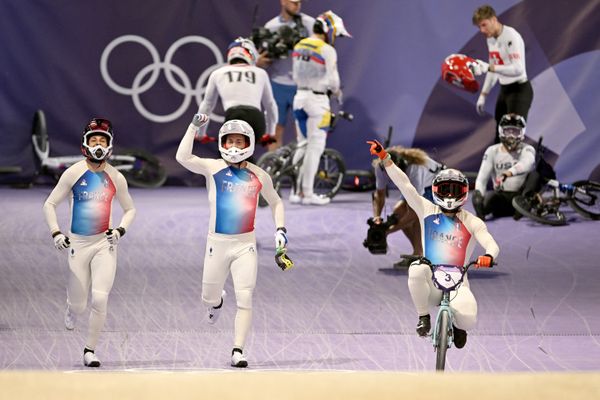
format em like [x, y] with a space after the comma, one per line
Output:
[238, 360]
[90, 360]
[213, 313]
[316, 200]
[295, 198]
[69, 319]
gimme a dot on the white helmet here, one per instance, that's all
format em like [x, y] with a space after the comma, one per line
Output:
[450, 189]
[243, 49]
[233, 154]
[102, 127]
[331, 25]
[511, 130]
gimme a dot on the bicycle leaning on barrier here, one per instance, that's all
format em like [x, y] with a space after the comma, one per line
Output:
[139, 168]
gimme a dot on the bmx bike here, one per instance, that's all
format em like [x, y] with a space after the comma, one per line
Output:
[140, 168]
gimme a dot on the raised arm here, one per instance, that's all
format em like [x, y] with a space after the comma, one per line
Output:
[209, 101]
[184, 154]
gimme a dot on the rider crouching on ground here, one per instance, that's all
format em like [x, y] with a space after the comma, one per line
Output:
[508, 162]
[447, 233]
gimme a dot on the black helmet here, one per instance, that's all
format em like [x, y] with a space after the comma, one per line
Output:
[511, 130]
[97, 126]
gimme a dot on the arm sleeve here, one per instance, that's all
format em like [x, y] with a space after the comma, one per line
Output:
[484, 238]
[270, 106]
[490, 80]
[125, 201]
[332, 70]
[526, 162]
[412, 197]
[59, 193]
[516, 66]
[184, 154]
[273, 199]
[209, 101]
[487, 164]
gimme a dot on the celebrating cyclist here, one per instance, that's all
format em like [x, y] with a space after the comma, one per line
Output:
[233, 188]
[449, 234]
[315, 72]
[91, 185]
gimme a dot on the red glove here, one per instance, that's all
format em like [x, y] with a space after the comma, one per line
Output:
[267, 139]
[377, 149]
[485, 261]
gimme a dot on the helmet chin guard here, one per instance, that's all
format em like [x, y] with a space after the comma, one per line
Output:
[97, 127]
[233, 154]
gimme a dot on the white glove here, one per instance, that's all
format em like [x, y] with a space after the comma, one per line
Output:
[199, 120]
[480, 104]
[113, 236]
[479, 67]
[280, 238]
[61, 242]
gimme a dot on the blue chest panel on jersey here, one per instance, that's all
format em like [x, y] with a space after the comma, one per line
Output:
[92, 199]
[446, 239]
[236, 196]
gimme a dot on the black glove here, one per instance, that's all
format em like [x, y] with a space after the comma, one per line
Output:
[478, 204]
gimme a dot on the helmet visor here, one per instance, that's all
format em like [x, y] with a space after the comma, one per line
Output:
[451, 189]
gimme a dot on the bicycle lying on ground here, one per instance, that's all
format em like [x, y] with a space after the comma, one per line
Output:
[139, 168]
[279, 164]
[447, 278]
[544, 206]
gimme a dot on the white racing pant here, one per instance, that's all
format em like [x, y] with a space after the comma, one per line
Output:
[313, 117]
[92, 263]
[235, 254]
[425, 295]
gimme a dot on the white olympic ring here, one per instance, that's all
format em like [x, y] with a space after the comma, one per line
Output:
[185, 87]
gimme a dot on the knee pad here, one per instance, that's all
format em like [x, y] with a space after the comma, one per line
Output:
[99, 302]
[244, 298]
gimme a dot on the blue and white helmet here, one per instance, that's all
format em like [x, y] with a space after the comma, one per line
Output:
[243, 49]
[233, 154]
[450, 189]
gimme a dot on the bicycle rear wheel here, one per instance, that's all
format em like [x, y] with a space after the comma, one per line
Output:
[330, 175]
[39, 134]
[542, 208]
[441, 345]
[147, 171]
[586, 199]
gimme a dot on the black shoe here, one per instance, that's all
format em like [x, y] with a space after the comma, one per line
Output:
[460, 337]
[424, 325]
[517, 216]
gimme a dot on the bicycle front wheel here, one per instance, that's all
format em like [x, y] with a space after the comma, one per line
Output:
[330, 175]
[586, 199]
[442, 335]
[540, 208]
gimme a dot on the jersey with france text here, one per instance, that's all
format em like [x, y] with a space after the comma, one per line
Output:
[497, 160]
[446, 240]
[240, 85]
[507, 53]
[280, 70]
[232, 192]
[315, 65]
[91, 196]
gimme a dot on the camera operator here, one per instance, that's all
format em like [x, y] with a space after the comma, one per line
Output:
[421, 170]
[280, 66]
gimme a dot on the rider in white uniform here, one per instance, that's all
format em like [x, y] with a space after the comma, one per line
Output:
[233, 188]
[315, 72]
[449, 235]
[508, 163]
[244, 89]
[91, 185]
[506, 64]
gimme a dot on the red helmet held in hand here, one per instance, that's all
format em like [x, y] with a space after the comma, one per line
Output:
[455, 70]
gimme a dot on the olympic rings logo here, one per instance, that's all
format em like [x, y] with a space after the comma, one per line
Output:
[185, 87]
